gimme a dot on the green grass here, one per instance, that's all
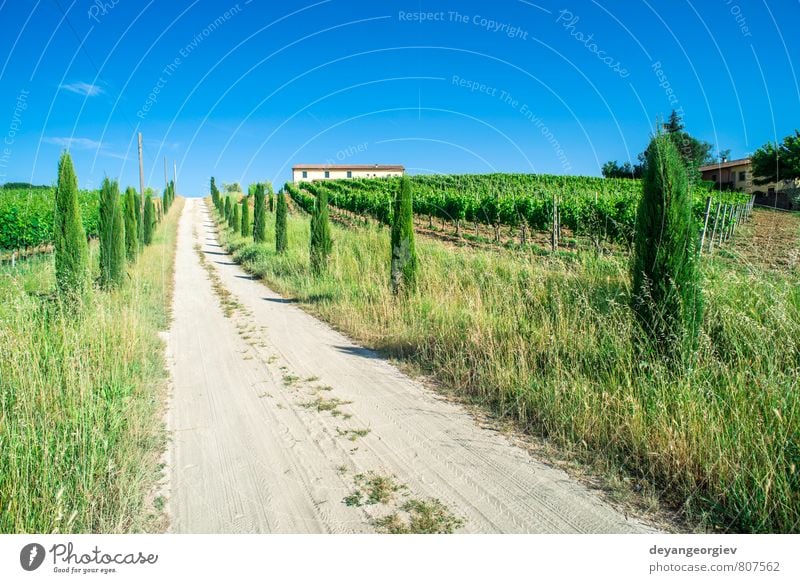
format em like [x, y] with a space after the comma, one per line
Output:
[548, 341]
[81, 397]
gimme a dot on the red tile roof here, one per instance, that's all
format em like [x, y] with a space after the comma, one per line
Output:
[728, 164]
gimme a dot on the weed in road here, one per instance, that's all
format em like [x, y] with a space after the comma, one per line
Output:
[373, 488]
[226, 299]
[322, 404]
[290, 379]
[420, 517]
[352, 434]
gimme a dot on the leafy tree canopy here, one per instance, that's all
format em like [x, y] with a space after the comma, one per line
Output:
[773, 163]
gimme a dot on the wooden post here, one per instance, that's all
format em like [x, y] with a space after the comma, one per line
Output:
[722, 225]
[705, 224]
[141, 177]
[714, 230]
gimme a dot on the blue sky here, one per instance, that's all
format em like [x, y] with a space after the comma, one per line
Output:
[243, 90]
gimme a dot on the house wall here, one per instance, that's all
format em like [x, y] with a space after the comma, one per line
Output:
[311, 175]
[731, 175]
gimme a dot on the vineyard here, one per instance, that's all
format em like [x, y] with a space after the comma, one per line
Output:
[26, 216]
[598, 207]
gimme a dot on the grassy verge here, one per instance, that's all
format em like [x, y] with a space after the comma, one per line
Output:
[547, 341]
[81, 396]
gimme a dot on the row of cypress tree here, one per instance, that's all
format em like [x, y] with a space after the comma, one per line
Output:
[122, 227]
[404, 263]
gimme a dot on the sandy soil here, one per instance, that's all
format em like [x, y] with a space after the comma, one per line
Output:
[276, 419]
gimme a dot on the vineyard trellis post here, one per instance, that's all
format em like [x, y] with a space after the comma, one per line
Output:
[722, 225]
[554, 235]
[705, 224]
[714, 230]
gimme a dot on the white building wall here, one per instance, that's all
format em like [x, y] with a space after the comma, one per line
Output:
[311, 175]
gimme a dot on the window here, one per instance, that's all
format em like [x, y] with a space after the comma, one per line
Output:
[305, 174]
[349, 174]
[327, 174]
[742, 176]
[714, 177]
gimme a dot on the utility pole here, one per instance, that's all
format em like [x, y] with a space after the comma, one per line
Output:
[141, 176]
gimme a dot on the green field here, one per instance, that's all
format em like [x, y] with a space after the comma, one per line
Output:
[26, 216]
[586, 205]
[81, 395]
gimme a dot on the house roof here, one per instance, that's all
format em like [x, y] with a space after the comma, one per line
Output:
[728, 164]
[385, 167]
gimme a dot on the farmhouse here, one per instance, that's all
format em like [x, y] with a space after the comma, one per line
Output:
[311, 172]
[737, 175]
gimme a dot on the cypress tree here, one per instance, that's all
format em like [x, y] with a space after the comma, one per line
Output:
[246, 229]
[271, 202]
[149, 219]
[281, 236]
[320, 233]
[259, 216]
[112, 235]
[214, 193]
[137, 197]
[131, 227]
[404, 253]
[666, 295]
[69, 238]
[227, 209]
[236, 224]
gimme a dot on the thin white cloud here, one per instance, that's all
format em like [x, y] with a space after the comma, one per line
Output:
[77, 143]
[110, 154]
[81, 88]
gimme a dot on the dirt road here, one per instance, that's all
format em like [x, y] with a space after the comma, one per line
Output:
[280, 424]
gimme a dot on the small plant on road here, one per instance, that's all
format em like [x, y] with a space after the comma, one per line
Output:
[420, 517]
[372, 489]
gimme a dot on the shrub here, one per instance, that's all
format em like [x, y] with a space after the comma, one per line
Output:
[259, 216]
[404, 253]
[320, 234]
[112, 236]
[149, 220]
[131, 226]
[69, 239]
[236, 222]
[666, 294]
[246, 229]
[281, 236]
